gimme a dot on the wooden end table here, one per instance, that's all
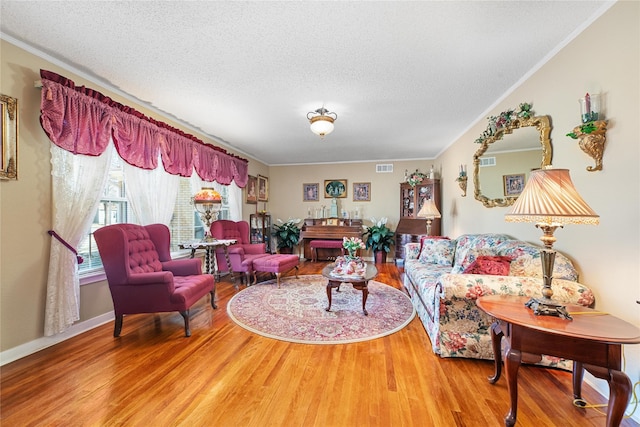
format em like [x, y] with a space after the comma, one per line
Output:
[211, 264]
[359, 283]
[593, 340]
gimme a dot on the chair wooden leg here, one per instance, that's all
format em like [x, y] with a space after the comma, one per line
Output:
[118, 325]
[185, 315]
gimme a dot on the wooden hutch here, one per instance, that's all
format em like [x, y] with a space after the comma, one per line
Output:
[410, 227]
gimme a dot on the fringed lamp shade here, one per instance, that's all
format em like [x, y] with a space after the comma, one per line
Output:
[550, 197]
[550, 200]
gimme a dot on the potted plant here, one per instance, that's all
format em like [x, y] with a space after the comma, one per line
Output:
[287, 233]
[379, 238]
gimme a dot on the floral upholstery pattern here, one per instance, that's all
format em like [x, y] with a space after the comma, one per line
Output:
[472, 247]
[437, 251]
[445, 299]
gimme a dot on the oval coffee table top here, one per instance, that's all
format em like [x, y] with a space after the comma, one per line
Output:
[370, 272]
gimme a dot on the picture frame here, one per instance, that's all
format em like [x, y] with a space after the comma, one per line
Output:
[331, 221]
[513, 184]
[335, 188]
[9, 137]
[310, 192]
[251, 194]
[361, 191]
[263, 188]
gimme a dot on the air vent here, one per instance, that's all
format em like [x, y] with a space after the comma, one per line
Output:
[384, 168]
[487, 161]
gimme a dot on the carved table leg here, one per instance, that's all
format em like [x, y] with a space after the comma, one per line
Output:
[207, 260]
[619, 392]
[496, 341]
[331, 284]
[512, 361]
[226, 258]
[365, 294]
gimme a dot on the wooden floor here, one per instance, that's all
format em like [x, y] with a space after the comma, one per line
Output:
[224, 375]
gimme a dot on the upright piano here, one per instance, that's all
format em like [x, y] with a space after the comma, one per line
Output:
[328, 229]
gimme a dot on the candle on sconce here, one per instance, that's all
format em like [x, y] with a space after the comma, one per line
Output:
[589, 107]
[587, 101]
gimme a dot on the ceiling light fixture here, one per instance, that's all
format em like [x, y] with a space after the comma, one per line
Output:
[321, 121]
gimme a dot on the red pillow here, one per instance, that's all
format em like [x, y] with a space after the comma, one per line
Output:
[493, 265]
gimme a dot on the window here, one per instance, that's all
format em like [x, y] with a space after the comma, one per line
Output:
[114, 209]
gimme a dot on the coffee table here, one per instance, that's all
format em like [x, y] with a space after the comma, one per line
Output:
[359, 283]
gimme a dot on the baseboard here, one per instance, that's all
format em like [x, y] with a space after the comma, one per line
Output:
[34, 346]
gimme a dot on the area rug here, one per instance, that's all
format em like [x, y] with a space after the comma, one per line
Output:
[296, 312]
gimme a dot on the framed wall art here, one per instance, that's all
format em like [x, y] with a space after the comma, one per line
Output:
[513, 184]
[310, 192]
[252, 190]
[361, 191]
[263, 188]
[9, 137]
[335, 188]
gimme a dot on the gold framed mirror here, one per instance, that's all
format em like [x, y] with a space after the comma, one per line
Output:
[9, 137]
[513, 145]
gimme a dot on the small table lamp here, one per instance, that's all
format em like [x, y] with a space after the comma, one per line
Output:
[550, 200]
[207, 203]
[430, 212]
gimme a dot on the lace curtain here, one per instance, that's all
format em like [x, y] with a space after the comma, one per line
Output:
[234, 192]
[151, 193]
[77, 184]
[81, 122]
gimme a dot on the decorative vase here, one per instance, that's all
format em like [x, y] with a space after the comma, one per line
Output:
[380, 257]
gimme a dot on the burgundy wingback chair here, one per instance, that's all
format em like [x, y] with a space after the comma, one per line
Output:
[142, 276]
[242, 253]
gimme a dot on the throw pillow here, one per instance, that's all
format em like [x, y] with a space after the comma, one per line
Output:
[437, 251]
[493, 265]
[423, 238]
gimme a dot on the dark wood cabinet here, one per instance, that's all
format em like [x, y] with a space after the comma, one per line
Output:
[410, 228]
[260, 229]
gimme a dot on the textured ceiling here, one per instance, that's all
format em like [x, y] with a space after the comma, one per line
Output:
[405, 78]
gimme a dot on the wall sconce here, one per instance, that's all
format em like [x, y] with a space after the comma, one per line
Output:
[462, 179]
[592, 132]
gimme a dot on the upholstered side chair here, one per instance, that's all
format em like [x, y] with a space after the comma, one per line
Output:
[142, 276]
[242, 253]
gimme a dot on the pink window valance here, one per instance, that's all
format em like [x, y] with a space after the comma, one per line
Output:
[81, 120]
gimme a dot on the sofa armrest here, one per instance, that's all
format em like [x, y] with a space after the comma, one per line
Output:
[472, 286]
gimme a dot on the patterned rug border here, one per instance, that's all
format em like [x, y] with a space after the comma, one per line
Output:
[284, 281]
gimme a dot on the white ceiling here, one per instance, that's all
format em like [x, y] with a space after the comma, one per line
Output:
[406, 78]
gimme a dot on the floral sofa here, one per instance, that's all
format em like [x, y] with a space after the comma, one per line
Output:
[444, 278]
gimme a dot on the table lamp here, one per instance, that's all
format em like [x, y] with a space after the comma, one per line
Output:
[207, 202]
[430, 212]
[550, 200]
